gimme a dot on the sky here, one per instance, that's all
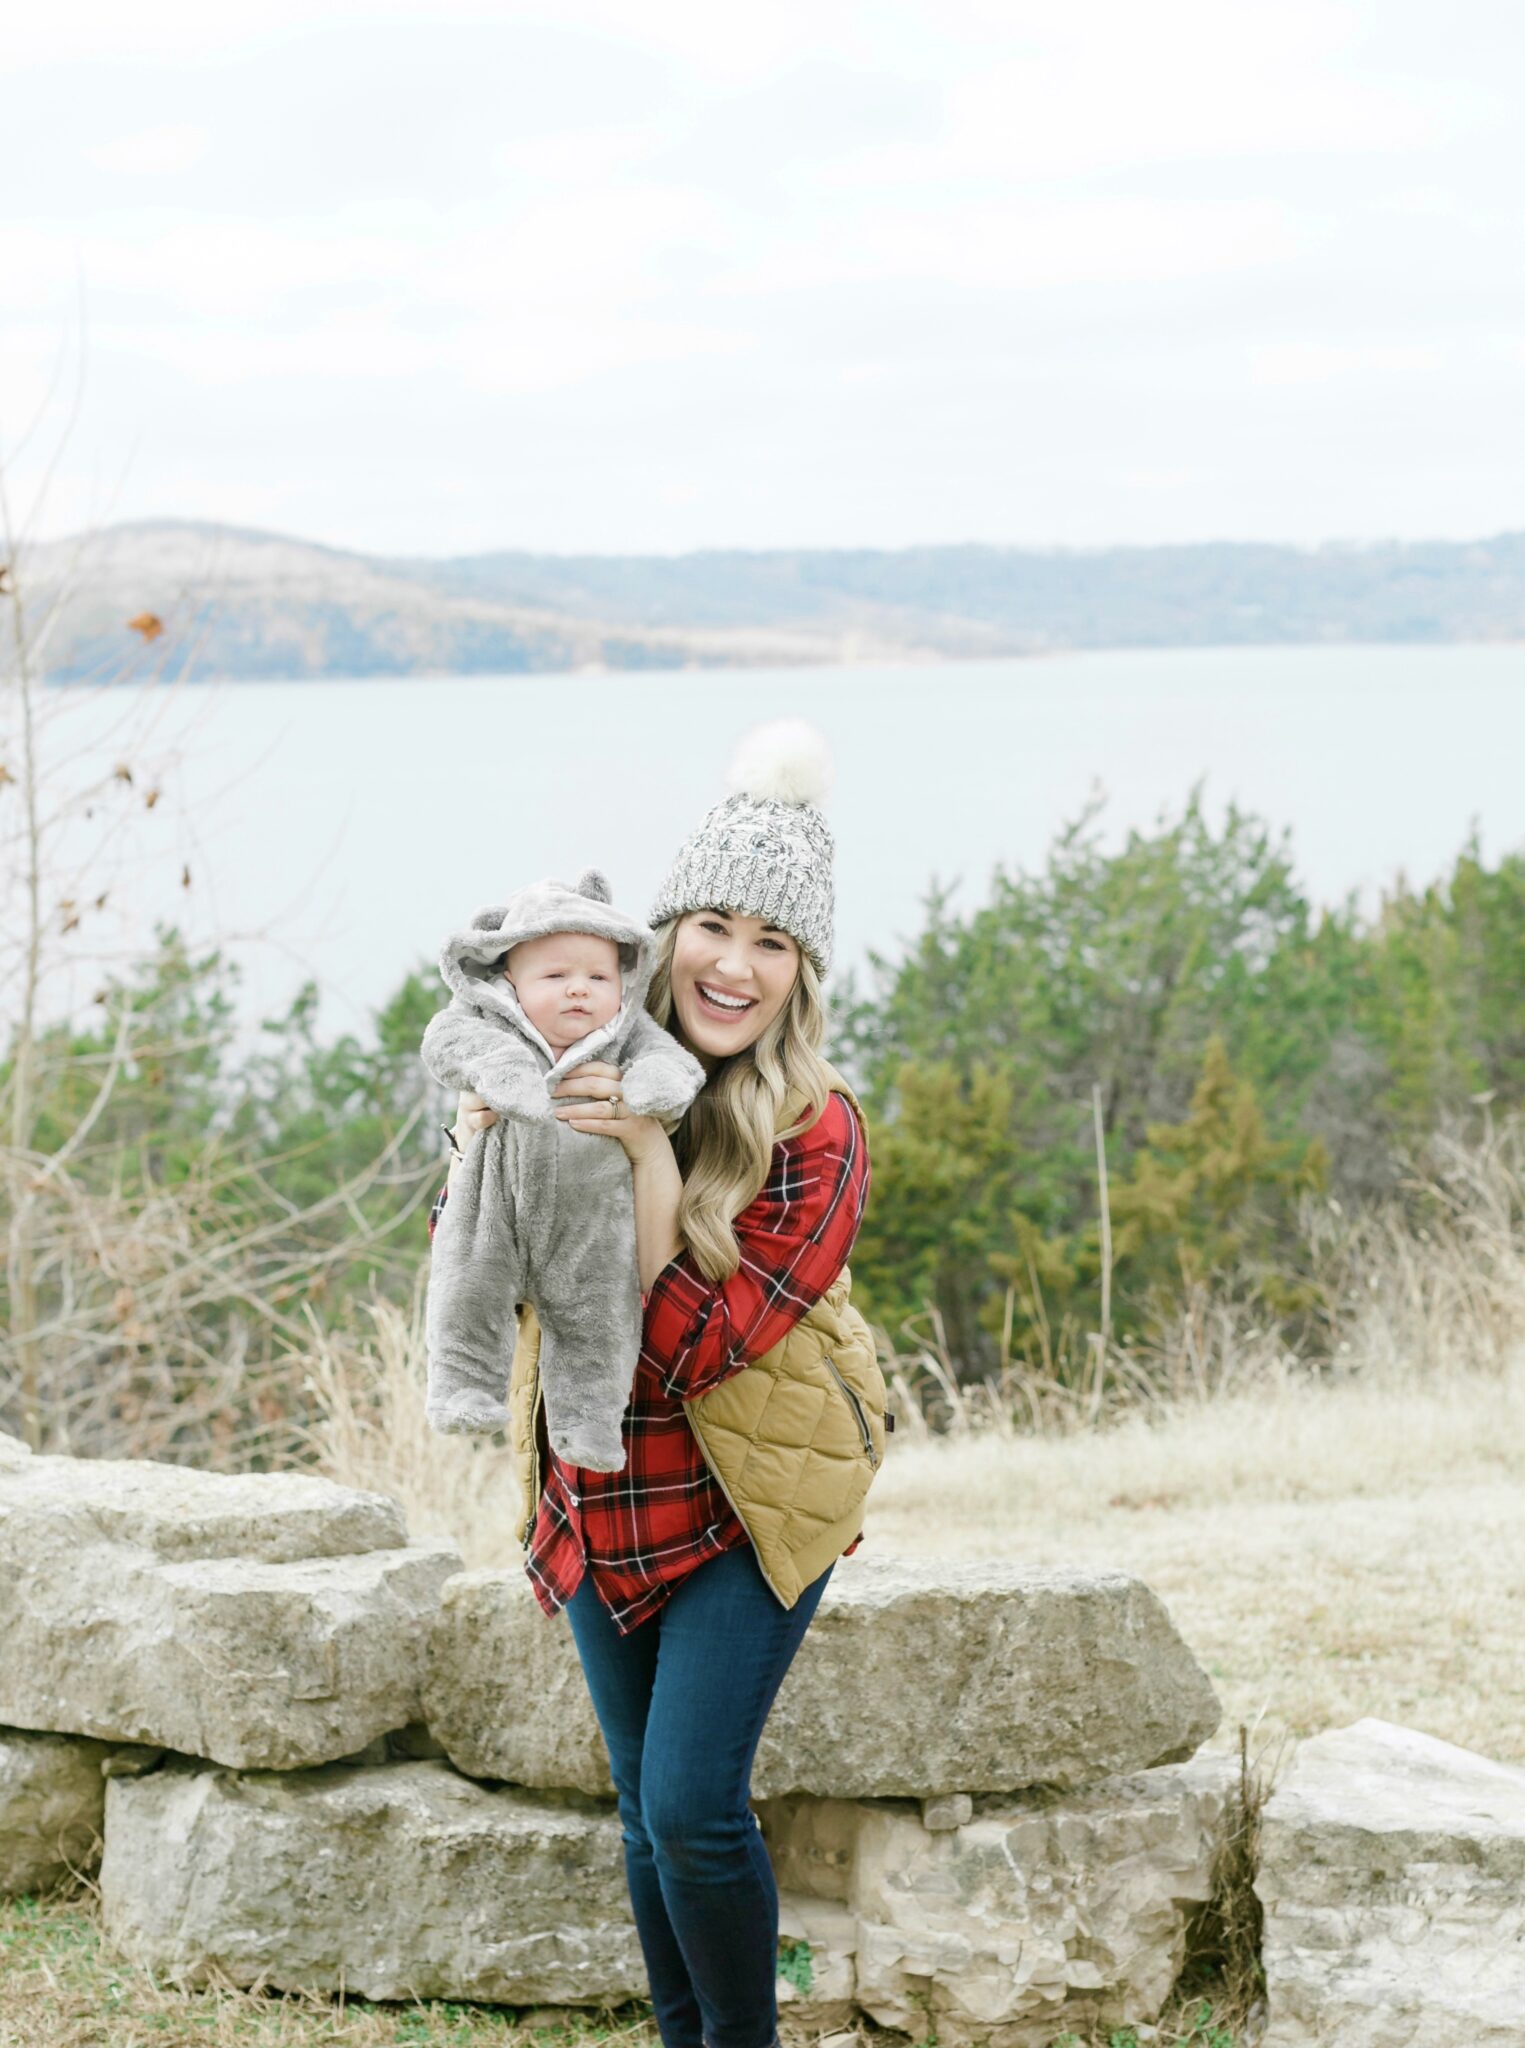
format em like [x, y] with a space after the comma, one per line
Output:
[617, 278]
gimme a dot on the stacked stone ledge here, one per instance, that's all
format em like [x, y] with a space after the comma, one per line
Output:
[322, 1755]
[144, 1608]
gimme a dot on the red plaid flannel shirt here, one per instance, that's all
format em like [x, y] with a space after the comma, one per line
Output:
[640, 1530]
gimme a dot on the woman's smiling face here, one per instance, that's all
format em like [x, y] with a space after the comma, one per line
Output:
[731, 975]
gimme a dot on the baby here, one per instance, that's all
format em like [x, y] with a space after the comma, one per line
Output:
[542, 983]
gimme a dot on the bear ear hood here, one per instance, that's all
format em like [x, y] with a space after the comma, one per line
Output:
[471, 960]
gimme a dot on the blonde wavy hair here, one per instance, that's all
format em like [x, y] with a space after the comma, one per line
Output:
[724, 1145]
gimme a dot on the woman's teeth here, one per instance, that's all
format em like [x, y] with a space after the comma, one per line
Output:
[735, 1004]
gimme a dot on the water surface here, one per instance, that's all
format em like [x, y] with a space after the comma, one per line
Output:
[337, 829]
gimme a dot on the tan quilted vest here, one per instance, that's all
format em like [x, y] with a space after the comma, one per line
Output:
[794, 1439]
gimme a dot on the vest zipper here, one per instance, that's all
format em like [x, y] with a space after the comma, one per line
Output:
[857, 1407]
[736, 1511]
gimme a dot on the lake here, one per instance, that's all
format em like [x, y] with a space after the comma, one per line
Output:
[338, 829]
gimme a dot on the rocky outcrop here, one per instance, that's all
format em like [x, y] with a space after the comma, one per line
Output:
[52, 1804]
[974, 1785]
[1393, 1881]
[397, 1880]
[1000, 1677]
[261, 1620]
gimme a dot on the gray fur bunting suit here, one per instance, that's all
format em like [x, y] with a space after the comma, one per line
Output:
[539, 1212]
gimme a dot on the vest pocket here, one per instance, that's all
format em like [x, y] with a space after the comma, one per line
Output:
[857, 1408]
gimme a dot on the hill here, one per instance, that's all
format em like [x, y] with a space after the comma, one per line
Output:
[248, 604]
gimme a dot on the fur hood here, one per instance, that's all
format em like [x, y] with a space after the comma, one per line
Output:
[483, 1041]
[471, 961]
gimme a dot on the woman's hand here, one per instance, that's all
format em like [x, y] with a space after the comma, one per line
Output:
[591, 1097]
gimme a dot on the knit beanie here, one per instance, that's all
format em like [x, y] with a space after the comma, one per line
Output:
[766, 849]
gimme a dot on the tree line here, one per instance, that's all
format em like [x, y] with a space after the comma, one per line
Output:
[1121, 1077]
[1173, 1017]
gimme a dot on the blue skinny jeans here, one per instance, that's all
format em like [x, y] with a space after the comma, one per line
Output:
[681, 1701]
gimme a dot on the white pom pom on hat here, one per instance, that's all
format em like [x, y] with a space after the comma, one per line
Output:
[765, 850]
[788, 759]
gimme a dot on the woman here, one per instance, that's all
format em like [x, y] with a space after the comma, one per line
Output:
[756, 1421]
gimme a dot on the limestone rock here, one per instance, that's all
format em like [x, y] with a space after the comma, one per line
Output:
[52, 1797]
[503, 1690]
[259, 1619]
[1000, 1677]
[175, 1512]
[1044, 1913]
[1393, 1881]
[398, 1881]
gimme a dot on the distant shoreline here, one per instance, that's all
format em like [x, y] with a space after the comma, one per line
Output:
[245, 606]
[204, 680]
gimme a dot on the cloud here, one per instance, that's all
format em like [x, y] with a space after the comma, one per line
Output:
[150, 152]
[690, 274]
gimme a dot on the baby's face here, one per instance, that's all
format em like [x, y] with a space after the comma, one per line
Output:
[568, 983]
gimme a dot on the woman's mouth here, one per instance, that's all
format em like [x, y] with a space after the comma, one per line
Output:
[715, 1002]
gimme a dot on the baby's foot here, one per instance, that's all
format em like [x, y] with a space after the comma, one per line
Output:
[471, 1413]
[596, 1450]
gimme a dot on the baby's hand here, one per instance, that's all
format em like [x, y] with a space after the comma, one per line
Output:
[472, 1114]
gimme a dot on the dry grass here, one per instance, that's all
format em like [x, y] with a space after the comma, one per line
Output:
[368, 1394]
[1328, 1552]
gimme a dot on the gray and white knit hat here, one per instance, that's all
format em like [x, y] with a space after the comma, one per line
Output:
[765, 850]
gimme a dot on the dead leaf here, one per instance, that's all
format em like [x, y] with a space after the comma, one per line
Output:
[149, 624]
[151, 799]
[121, 772]
[185, 878]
